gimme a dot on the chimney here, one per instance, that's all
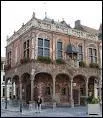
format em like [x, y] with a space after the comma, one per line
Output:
[77, 23]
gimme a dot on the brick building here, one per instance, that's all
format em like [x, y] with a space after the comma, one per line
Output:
[51, 59]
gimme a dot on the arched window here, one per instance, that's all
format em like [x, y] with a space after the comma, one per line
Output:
[59, 49]
[43, 47]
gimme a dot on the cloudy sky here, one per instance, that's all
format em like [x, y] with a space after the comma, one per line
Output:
[14, 13]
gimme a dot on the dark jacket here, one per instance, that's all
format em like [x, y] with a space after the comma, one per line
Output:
[39, 101]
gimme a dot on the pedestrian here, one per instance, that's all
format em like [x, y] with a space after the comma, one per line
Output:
[39, 102]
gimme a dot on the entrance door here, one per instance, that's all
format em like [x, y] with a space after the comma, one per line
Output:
[76, 96]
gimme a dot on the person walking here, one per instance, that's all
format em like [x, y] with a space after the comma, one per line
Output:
[39, 102]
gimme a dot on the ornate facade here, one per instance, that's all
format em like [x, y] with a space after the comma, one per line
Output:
[59, 76]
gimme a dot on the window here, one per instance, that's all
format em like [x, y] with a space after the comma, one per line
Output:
[92, 55]
[43, 47]
[81, 91]
[47, 92]
[9, 58]
[63, 91]
[26, 49]
[10, 95]
[59, 49]
[1, 66]
[3, 77]
[3, 91]
[80, 52]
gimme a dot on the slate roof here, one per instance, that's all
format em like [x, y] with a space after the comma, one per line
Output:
[88, 29]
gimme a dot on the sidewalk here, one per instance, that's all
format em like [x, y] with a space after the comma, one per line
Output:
[49, 112]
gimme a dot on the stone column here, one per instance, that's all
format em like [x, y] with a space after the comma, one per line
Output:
[12, 90]
[100, 89]
[71, 95]
[54, 97]
[20, 96]
[53, 87]
[32, 89]
[86, 91]
[87, 87]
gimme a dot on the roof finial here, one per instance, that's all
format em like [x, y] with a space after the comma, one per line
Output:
[62, 19]
[14, 31]
[45, 14]
[33, 16]
[22, 24]
[7, 37]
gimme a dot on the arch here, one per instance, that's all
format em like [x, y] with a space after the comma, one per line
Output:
[93, 82]
[79, 89]
[63, 73]
[15, 79]
[26, 87]
[43, 81]
[43, 35]
[62, 85]
[91, 45]
[83, 76]
[24, 76]
[7, 79]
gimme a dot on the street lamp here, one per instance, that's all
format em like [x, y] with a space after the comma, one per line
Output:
[5, 94]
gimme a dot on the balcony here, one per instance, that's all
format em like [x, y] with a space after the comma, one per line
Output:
[52, 67]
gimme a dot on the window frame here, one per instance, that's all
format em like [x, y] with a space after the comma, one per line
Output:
[93, 55]
[43, 47]
[26, 47]
[59, 50]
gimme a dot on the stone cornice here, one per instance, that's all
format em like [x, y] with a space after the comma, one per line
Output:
[37, 23]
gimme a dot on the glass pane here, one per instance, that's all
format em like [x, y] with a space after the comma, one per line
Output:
[46, 52]
[27, 43]
[47, 92]
[59, 54]
[40, 42]
[59, 45]
[91, 59]
[63, 91]
[80, 49]
[27, 52]
[24, 54]
[90, 51]
[24, 45]
[95, 59]
[3, 77]
[40, 51]
[80, 57]
[94, 52]
[46, 43]
[1, 66]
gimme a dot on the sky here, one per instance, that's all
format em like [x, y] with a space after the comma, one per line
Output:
[14, 13]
